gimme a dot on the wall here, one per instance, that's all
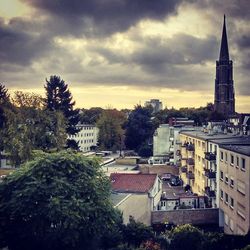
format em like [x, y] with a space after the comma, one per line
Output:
[126, 161]
[161, 140]
[236, 216]
[158, 169]
[138, 206]
[155, 194]
[187, 216]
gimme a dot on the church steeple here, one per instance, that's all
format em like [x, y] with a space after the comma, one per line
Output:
[224, 53]
[224, 84]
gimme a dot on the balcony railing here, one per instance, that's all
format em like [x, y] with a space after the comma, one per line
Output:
[190, 175]
[210, 193]
[190, 147]
[184, 169]
[210, 173]
[210, 156]
[190, 161]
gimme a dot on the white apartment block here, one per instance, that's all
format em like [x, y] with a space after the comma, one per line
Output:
[87, 137]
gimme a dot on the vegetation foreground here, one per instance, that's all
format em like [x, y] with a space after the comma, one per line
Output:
[61, 201]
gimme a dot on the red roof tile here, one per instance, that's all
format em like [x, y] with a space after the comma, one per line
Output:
[140, 183]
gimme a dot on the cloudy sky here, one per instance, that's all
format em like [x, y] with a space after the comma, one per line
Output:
[122, 52]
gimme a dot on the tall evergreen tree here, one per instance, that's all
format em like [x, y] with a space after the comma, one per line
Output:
[59, 98]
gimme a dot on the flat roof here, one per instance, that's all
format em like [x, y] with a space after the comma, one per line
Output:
[242, 149]
[240, 140]
[205, 136]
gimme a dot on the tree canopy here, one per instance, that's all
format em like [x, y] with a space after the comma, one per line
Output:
[111, 133]
[90, 116]
[139, 129]
[56, 201]
[59, 98]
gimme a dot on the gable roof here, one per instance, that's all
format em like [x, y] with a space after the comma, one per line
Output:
[132, 183]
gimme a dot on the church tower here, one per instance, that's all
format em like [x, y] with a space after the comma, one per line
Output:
[224, 101]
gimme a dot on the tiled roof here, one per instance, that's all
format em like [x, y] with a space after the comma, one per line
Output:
[134, 183]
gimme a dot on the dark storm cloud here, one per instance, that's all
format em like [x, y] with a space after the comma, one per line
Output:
[180, 62]
[18, 46]
[233, 8]
[181, 49]
[244, 41]
[156, 55]
[25, 40]
[103, 17]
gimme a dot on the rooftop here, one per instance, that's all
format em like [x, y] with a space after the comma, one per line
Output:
[239, 140]
[206, 136]
[242, 149]
[132, 183]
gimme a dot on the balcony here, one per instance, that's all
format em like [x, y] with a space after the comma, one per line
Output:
[190, 161]
[209, 173]
[209, 193]
[210, 156]
[178, 142]
[184, 169]
[190, 147]
[190, 175]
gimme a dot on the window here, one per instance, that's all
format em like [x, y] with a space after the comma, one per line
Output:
[215, 148]
[243, 164]
[241, 187]
[237, 161]
[231, 224]
[226, 219]
[221, 155]
[232, 183]
[241, 210]
[226, 197]
[221, 194]
[221, 175]
[231, 202]
[232, 159]
[226, 179]
[225, 157]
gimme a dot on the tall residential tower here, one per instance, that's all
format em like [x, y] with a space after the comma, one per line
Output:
[224, 85]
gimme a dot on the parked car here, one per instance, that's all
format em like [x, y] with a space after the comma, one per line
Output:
[166, 177]
[175, 181]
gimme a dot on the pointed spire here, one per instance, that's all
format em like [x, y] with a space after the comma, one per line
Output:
[224, 53]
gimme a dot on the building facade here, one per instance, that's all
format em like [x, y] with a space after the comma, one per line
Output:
[234, 204]
[156, 104]
[200, 162]
[224, 100]
[87, 137]
[142, 194]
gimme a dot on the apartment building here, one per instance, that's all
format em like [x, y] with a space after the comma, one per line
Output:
[234, 175]
[156, 105]
[166, 144]
[199, 162]
[87, 137]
